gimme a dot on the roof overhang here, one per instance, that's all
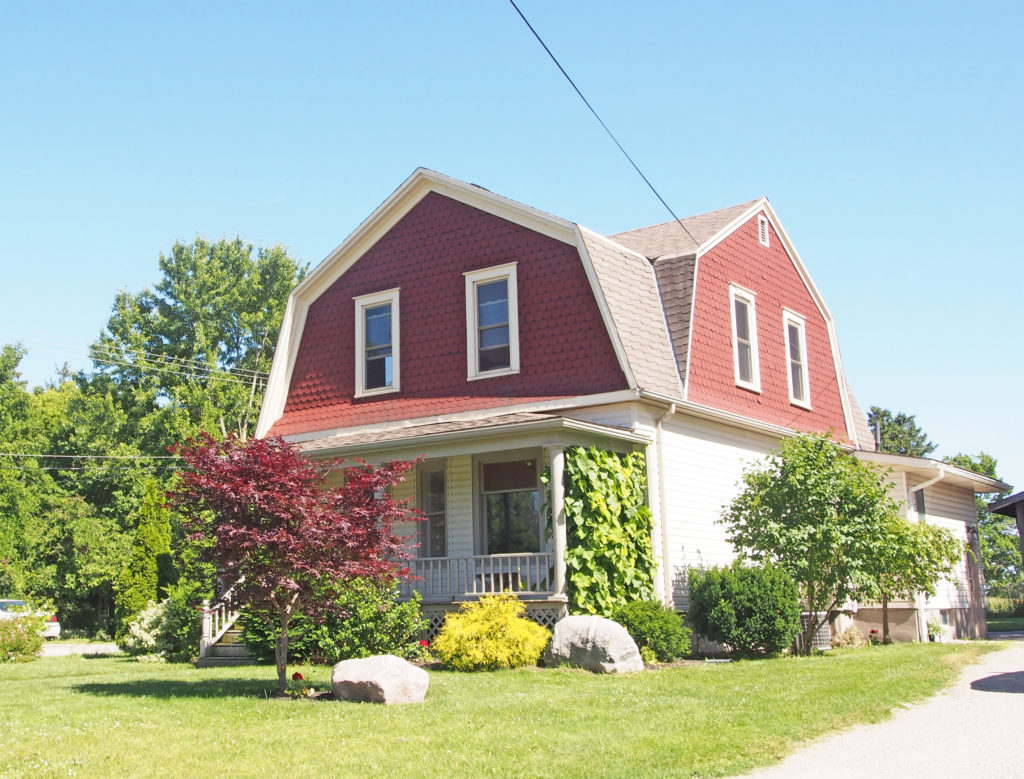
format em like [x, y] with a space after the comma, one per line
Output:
[1009, 506]
[934, 469]
[502, 431]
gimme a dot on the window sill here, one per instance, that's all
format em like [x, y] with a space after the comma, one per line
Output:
[800, 404]
[493, 374]
[749, 388]
[375, 392]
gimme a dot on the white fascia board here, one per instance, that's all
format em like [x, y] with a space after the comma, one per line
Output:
[763, 205]
[927, 466]
[563, 404]
[602, 301]
[717, 415]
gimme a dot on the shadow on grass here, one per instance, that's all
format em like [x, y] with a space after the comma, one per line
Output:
[165, 688]
[1008, 682]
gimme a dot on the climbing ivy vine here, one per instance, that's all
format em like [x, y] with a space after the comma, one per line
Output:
[609, 559]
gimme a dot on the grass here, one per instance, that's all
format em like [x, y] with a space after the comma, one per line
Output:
[1005, 623]
[109, 716]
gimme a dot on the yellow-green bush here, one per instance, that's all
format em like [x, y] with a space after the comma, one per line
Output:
[488, 634]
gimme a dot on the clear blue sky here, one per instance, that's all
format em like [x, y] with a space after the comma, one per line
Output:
[887, 138]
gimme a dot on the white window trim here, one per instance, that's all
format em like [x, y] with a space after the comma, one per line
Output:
[792, 318]
[479, 520]
[364, 302]
[763, 234]
[473, 278]
[737, 292]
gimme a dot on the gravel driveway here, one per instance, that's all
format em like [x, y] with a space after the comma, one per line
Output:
[972, 729]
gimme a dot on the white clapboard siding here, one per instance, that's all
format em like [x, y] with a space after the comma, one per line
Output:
[459, 484]
[951, 507]
[703, 465]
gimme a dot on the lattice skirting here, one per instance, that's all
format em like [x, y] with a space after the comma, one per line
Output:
[543, 613]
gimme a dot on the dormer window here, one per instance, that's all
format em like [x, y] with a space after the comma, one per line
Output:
[377, 366]
[492, 322]
[796, 357]
[744, 338]
[762, 229]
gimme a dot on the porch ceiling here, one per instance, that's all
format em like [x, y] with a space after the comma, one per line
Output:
[437, 432]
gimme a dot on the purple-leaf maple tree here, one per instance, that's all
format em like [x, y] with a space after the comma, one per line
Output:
[277, 532]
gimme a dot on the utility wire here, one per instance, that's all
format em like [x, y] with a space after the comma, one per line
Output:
[96, 456]
[145, 366]
[601, 122]
[183, 362]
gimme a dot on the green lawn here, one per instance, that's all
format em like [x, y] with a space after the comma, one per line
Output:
[1005, 623]
[114, 716]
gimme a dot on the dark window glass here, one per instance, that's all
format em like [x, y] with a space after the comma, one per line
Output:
[492, 325]
[377, 337]
[511, 507]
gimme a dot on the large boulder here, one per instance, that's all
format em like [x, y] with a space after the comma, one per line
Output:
[379, 679]
[594, 643]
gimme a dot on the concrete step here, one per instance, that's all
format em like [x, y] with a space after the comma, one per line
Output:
[231, 637]
[230, 650]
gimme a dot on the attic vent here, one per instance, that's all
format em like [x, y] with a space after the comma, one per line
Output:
[762, 229]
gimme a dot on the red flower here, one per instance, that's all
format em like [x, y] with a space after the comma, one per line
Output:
[874, 631]
[424, 643]
[297, 677]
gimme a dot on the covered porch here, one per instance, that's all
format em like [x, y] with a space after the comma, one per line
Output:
[492, 493]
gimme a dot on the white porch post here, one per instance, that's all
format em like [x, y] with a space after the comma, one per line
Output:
[556, 456]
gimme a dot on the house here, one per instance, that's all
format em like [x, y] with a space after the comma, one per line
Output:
[488, 337]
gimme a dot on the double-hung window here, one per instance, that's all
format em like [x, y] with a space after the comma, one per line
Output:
[432, 502]
[492, 322]
[796, 357]
[744, 338]
[377, 366]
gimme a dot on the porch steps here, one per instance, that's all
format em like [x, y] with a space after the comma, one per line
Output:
[229, 650]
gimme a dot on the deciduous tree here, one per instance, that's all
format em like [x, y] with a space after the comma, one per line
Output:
[819, 514]
[275, 531]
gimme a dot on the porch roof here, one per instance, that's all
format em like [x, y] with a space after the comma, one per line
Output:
[436, 432]
[1009, 506]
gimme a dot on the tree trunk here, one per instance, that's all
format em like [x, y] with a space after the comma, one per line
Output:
[281, 652]
[885, 620]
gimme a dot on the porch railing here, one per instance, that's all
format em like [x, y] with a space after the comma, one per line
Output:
[444, 577]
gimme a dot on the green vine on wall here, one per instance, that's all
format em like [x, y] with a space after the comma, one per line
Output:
[609, 559]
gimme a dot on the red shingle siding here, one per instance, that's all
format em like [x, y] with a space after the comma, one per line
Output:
[564, 349]
[769, 273]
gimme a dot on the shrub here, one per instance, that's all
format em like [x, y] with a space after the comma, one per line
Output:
[21, 638]
[170, 629]
[849, 639]
[369, 621]
[489, 634]
[655, 627]
[752, 610]
[1004, 607]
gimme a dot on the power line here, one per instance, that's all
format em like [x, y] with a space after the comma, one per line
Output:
[601, 122]
[183, 362]
[95, 456]
[193, 374]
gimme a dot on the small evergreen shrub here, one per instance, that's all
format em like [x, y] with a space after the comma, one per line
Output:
[656, 628]
[21, 639]
[489, 634]
[369, 621]
[752, 610]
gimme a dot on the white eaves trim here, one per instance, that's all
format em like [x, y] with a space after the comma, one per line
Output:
[933, 468]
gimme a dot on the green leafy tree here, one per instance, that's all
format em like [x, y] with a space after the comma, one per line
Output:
[899, 433]
[194, 349]
[998, 535]
[820, 515]
[914, 557]
[150, 568]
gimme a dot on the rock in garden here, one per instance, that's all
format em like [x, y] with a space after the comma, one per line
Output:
[594, 643]
[379, 679]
